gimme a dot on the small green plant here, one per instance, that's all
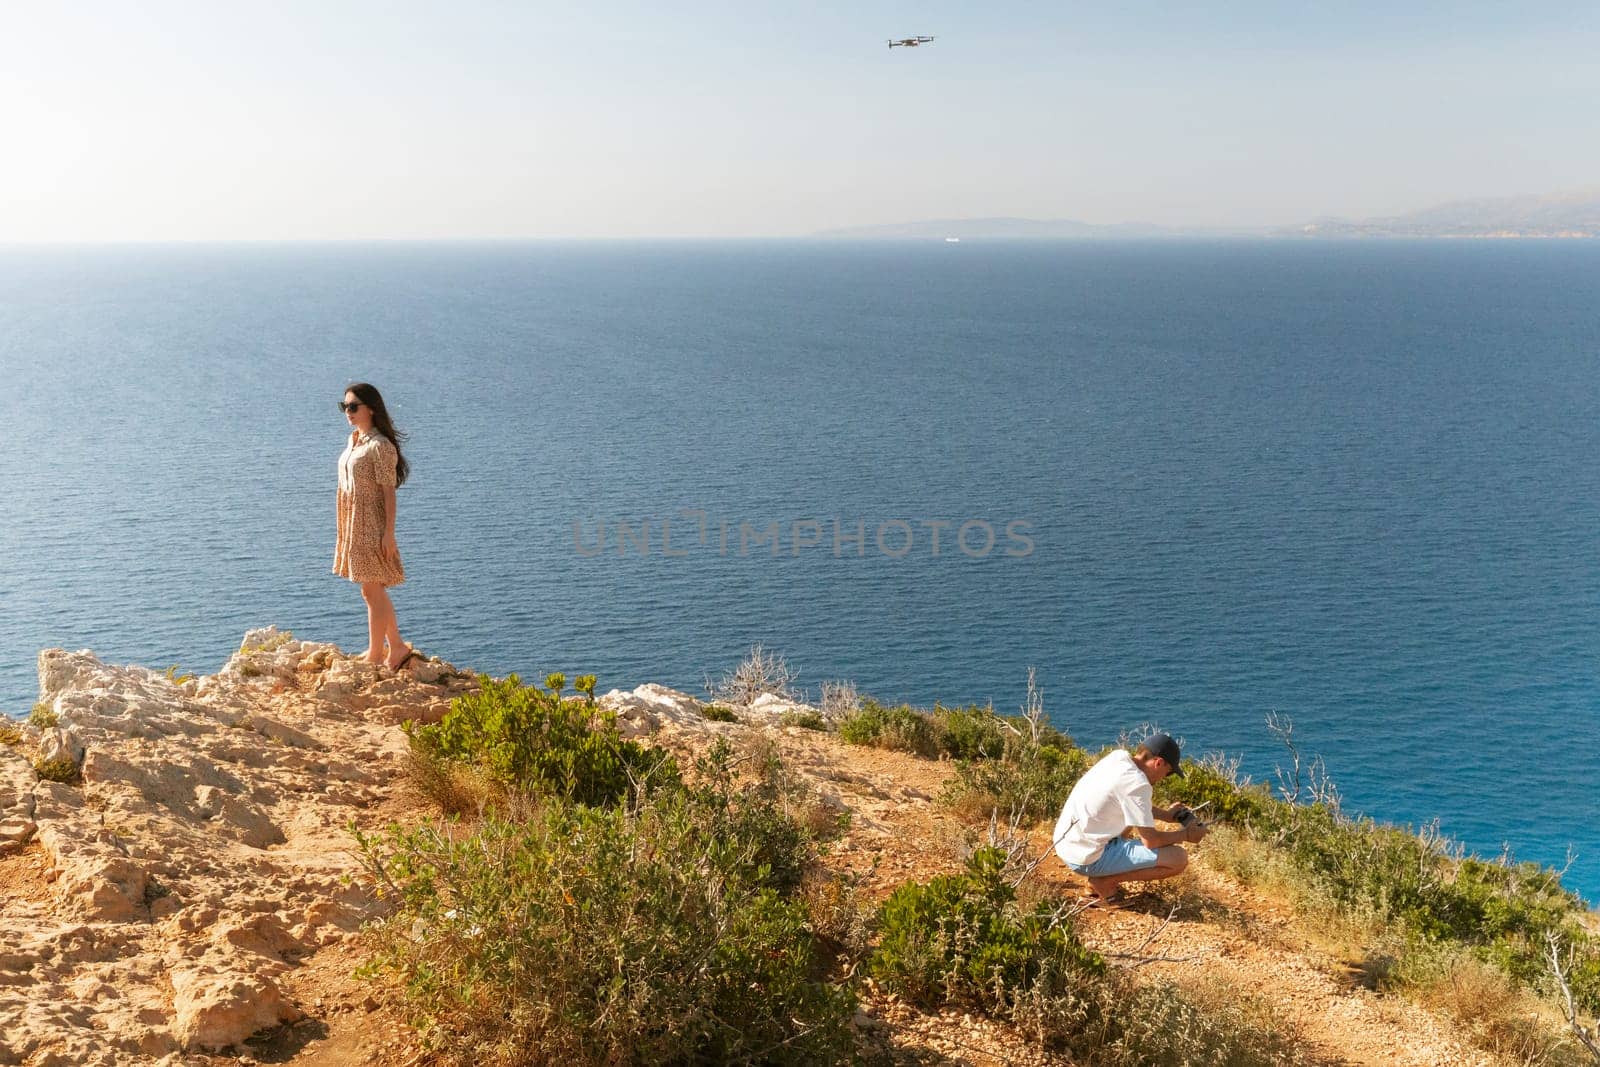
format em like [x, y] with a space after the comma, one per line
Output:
[43, 717]
[585, 685]
[805, 720]
[901, 728]
[175, 677]
[555, 683]
[249, 670]
[718, 713]
[10, 733]
[61, 769]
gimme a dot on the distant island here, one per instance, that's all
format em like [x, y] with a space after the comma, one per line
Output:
[1573, 214]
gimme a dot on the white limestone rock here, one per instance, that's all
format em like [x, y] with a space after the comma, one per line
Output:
[202, 852]
[645, 709]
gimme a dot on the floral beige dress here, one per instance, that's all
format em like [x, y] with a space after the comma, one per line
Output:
[366, 468]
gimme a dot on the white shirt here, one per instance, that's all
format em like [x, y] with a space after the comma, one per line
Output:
[1112, 795]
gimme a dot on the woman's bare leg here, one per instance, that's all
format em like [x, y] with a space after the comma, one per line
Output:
[383, 628]
[377, 603]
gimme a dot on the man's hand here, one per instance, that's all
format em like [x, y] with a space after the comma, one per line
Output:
[1194, 831]
[1180, 813]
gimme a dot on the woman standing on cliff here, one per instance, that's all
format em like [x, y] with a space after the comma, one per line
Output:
[370, 470]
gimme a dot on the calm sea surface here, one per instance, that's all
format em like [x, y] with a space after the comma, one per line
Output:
[1358, 484]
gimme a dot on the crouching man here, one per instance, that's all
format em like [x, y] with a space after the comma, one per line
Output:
[1113, 797]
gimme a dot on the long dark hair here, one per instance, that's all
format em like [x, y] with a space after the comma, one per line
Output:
[369, 395]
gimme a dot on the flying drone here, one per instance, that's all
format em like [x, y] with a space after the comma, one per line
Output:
[909, 42]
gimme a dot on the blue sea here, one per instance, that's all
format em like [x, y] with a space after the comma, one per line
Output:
[1191, 483]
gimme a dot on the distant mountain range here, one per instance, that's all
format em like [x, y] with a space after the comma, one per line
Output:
[1570, 214]
[1012, 227]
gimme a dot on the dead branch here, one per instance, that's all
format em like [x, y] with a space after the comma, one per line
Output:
[1157, 931]
[1585, 1034]
[1141, 961]
[1282, 727]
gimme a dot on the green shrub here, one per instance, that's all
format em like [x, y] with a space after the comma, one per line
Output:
[960, 939]
[661, 932]
[901, 728]
[57, 770]
[718, 713]
[530, 741]
[970, 733]
[1214, 782]
[805, 720]
[1030, 780]
[10, 733]
[43, 717]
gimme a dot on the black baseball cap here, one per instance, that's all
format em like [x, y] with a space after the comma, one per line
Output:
[1164, 746]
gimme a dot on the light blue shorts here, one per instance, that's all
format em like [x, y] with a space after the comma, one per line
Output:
[1121, 855]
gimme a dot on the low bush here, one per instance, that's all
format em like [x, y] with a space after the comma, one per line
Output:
[805, 720]
[718, 713]
[659, 932]
[1160, 1024]
[456, 786]
[10, 733]
[57, 770]
[43, 717]
[963, 940]
[1030, 780]
[839, 915]
[901, 728]
[969, 733]
[960, 939]
[527, 740]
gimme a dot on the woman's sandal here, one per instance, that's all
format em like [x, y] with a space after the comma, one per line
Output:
[410, 655]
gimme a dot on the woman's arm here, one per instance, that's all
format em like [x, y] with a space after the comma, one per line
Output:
[390, 546]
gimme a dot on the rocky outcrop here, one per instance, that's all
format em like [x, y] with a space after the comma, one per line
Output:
[196, 847]
[651, 708]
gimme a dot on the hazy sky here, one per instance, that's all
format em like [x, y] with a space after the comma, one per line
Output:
[151, 119]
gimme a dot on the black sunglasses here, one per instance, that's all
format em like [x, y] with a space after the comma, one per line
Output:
[348, 408]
